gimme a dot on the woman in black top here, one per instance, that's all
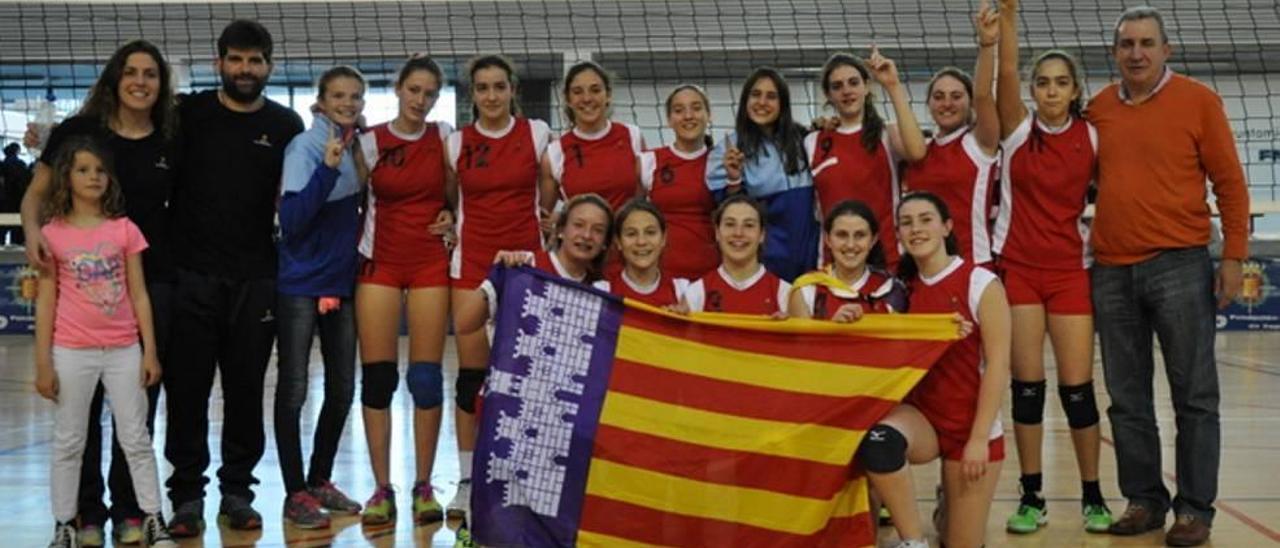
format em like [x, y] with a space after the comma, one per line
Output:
[130, 112]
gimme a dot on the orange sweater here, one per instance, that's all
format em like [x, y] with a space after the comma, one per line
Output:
[1153, 159]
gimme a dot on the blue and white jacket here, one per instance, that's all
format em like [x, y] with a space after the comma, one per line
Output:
[791, 227]
[319, 218]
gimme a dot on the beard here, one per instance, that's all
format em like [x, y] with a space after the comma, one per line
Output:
[243, 92]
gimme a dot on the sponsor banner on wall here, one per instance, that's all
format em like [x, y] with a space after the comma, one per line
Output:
[17, 299]
[1258, 306]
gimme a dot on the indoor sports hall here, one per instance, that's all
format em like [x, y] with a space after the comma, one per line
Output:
[52, 52]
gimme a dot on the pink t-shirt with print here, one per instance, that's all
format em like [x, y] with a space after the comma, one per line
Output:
[94, 308]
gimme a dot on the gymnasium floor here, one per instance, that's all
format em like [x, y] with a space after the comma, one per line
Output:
[1249, 501]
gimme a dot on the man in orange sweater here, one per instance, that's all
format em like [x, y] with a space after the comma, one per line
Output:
[1160, 136]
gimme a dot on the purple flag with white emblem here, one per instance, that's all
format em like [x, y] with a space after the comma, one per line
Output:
[549, 370]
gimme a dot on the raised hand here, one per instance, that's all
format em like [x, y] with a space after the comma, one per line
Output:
[733, 159]
[882, 68]
[987, 23]
[333, 149]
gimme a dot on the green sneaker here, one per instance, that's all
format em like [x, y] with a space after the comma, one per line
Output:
[463, 539]
[1028, 519]
[90, 535]
[380, 508]
[127, 531]
[1097, 518]
[885, 518]
[425, 507]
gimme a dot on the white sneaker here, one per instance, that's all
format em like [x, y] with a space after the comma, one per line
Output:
[65, 536]
[155, 534]
[461, 503]
[924, 543]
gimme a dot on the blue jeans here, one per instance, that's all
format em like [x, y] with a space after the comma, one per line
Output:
[1171, 295]
[297, 322]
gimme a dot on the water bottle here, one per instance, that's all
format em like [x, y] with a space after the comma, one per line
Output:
[45, 117]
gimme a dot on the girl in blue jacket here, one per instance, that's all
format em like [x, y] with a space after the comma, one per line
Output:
[319, 224]
[764, 156]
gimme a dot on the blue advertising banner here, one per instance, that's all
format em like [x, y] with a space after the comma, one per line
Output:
[17, 299]
[1258, 306]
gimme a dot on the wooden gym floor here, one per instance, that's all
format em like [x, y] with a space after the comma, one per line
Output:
[1248, 504]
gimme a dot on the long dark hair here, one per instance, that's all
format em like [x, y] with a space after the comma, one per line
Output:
[856, 208]
[579, 68]
[589, 198]
[872, 123]
[706, 104]
[787, 134]
[507, 65]
[104, 97]
[59, 203]
[907, 267]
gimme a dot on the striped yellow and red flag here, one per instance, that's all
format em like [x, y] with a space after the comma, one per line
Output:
[623, 425]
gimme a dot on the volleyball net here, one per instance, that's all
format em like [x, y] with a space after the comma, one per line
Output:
[53, 51]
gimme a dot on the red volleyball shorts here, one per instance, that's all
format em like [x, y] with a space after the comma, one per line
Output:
[1063, 292]
[404, 276]
[951, 446]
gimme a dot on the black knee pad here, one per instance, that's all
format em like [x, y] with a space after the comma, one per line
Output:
[883, 450]
[378, 384]
[1079, 404]
[470, 381]
[1028, 402]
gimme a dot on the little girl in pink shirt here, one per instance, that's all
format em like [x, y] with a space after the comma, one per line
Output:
[91, 310]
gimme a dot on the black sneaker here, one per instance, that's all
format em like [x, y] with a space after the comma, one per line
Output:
[237, 514]
[188, 519]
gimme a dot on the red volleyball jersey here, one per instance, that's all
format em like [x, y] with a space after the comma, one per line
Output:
[664, 291]
[876, 291]
[603, 163]
[1046, 174]
[550, 263]
[406, 193]
[843, 169]
[763, 293]
[948, 394]
[676, 182]
[497, 188]
[957, 170]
